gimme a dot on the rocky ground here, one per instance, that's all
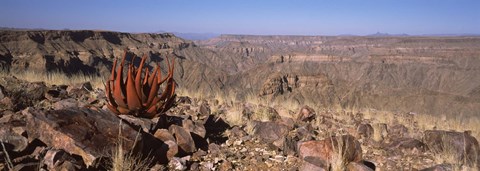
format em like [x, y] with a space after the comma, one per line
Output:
[67, 127]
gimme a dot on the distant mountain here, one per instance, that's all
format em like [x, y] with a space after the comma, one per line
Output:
[193, 36]
[448, 35]
[380, 34]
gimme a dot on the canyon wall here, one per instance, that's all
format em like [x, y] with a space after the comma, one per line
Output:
[432, 75]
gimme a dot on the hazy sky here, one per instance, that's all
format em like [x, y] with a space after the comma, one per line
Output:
[294, 17]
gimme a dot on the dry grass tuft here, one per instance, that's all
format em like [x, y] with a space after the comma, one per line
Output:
[235, 115]
[55, 78]
[125, 160]
[338, 161]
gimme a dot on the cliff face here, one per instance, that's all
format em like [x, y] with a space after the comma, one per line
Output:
[93, 52]
[434, 75]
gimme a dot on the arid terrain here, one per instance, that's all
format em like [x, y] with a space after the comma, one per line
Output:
[244, 102]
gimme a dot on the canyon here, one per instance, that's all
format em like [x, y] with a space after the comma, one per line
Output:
[424, 75]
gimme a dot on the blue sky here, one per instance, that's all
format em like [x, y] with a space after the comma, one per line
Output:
[285, 17]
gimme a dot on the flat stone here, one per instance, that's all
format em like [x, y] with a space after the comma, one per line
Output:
[80, 131]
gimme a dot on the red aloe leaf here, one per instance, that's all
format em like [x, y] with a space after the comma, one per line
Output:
[119, 86]
[138, 78]
[133, 100]
[108, 92]
[153, 91]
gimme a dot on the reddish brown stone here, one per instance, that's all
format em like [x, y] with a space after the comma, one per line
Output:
[194, 127]
[324, 150]
[183, 138]
[169, 140]
[81, 131]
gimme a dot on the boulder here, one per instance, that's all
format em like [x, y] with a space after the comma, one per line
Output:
[81, 131]
[324, 151]
[463, 146]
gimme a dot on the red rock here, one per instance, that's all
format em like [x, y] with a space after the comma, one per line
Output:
[324, 150]
[169, 140]
[183, 138]
[80, 131]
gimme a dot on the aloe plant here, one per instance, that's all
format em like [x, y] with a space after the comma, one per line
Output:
[138, 94]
